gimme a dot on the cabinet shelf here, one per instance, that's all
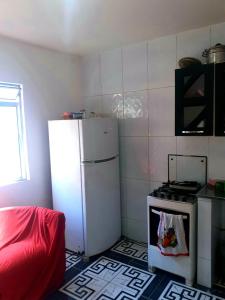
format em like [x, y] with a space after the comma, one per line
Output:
[194, 101]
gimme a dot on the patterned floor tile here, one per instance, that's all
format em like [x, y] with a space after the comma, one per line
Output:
[120, 257]
[122, 273]
[71, 259]
[108, 279]
[178, 291]
[132, 249]
[165, 278]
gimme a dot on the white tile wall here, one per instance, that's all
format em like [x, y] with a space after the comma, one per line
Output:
[193, 145]
[123, 196]
[135, 121]
[161, 112]
[136, 85]
[218, 34]
[92, 103]
[111, 71]
[154, 185]
[134, 157]
[162, 62]
[136, 192]
[135, 67]
[124, 226]
[159, 148]
[112, 105]
[90, 75]
[217, 157]
[192, 43]
[136, 230]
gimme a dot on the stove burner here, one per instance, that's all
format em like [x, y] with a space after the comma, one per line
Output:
[186, 186]
[166, 192]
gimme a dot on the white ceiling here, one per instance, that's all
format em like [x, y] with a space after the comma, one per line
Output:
[82, 26]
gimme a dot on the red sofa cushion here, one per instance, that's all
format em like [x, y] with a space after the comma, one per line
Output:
[32, 252]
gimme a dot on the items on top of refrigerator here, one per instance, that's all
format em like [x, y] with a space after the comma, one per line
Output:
[82, 114]
[74, 115]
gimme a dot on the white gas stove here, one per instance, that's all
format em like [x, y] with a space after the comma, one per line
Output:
[177, 197]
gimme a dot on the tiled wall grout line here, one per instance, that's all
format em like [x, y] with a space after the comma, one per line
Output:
[148, 100]
[134, 178]
[210, 32]
[100, 79]
[124, 187]
[122, 79]
[130, 91]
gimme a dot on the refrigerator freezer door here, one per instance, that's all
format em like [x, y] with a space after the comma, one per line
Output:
[98, 138]
[102, 220]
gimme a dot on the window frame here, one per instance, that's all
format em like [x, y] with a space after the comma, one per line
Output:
[22, 142]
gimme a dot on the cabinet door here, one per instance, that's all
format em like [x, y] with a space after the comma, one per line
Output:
[194, 100]
[220, 99]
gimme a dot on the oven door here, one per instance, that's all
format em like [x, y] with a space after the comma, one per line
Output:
[184, 266]
[154, 223]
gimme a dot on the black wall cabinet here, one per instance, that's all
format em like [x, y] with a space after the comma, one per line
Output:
[220, 99]
[194, 100]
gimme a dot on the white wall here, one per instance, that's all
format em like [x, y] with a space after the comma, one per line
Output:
[136, 85]
[51, 83]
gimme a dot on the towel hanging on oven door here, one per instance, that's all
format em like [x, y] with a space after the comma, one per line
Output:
[171, 235]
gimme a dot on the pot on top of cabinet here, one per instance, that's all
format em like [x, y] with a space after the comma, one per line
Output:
[215, 54]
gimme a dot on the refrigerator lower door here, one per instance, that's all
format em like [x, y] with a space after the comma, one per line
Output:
[101, 205]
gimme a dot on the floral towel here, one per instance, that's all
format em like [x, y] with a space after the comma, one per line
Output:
[171, 235]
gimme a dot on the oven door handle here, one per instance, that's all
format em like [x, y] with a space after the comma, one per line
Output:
[158, 213]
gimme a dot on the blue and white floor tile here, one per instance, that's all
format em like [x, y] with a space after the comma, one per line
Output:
[108, 279]
[132, 249]
[71, 259]
[175, 290]
[122, 273]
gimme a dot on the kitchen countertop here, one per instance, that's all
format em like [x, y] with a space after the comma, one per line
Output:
[207, 192]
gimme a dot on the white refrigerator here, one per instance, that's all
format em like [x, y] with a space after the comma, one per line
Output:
[85, 181]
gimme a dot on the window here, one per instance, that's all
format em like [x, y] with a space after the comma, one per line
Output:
[13, 158]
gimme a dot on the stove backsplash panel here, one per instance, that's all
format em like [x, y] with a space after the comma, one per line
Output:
[187, 168]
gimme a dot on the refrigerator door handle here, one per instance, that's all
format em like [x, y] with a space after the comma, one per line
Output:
[99, 161]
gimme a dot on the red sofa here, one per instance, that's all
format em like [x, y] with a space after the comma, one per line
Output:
[32, 252]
